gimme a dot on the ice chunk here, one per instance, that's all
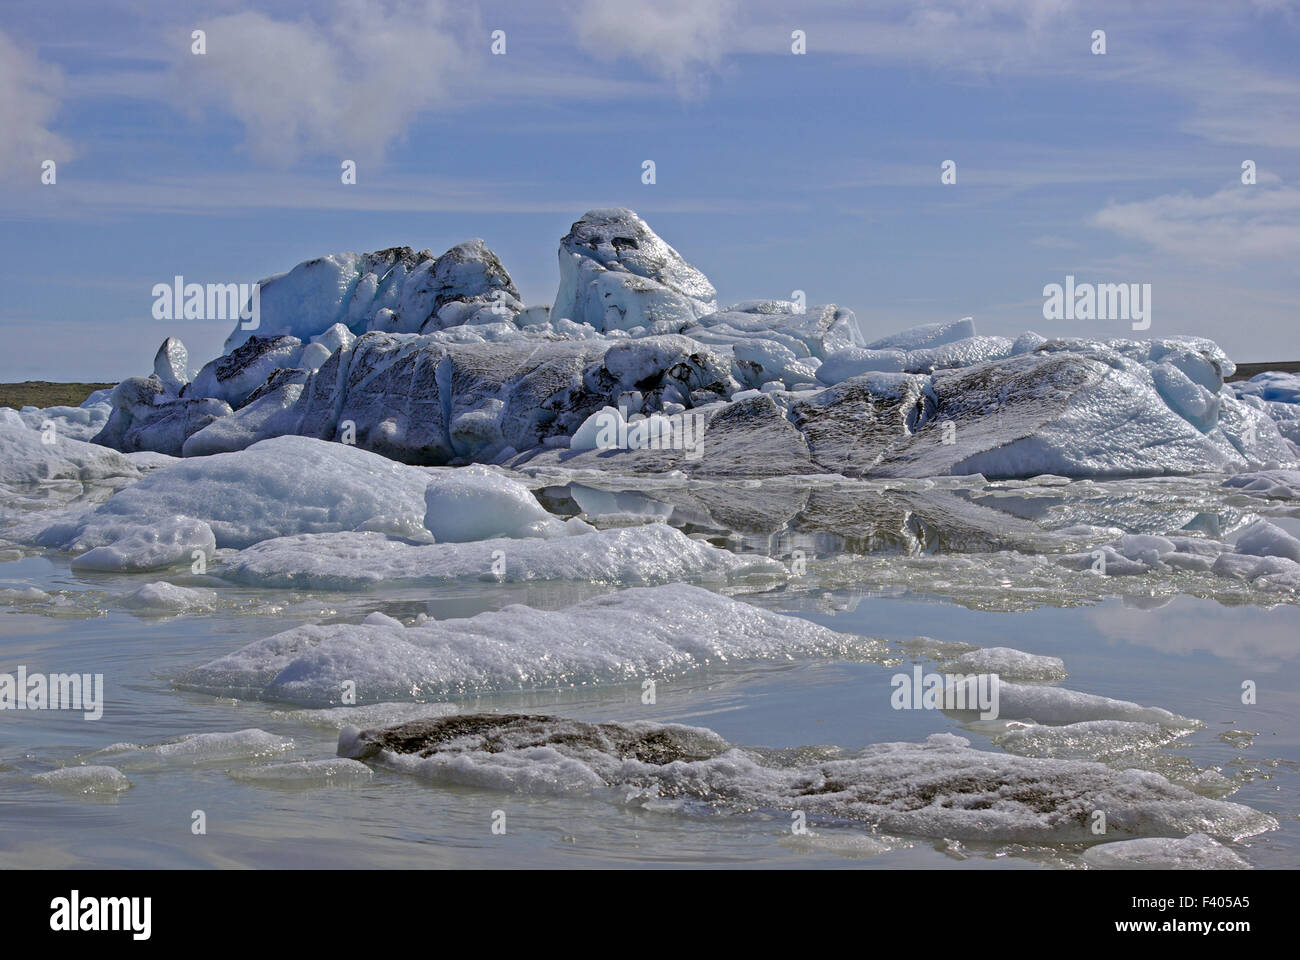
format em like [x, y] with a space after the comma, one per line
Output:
[275, 488]
[271, 411]
[235, 376]
[368, 715]
[852, 361]
[1010, 664]
[67, 423]
[926, 335]
[939, 788]
[1264, 539]
[1195, 852]
[164, 598]
[336, 337]
[1270, 484]
[171, 365]
[616, 273]
[398, 290]
[89, 779]
[1272, 385]
[479, 503]
[138, 544]
[1085, 739]
[1057, 706]
[26, 458]
[332, 771]
[199, 748]
[625, 636]
[649, 554]
[1084, 414]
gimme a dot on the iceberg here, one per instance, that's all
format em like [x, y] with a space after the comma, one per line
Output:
[616, 274]
[436, 361]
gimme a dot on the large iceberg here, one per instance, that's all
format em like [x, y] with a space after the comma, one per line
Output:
[436, 360]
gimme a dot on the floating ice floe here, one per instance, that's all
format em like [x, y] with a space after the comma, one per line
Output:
[198, 748]
[330, 771]
[626, 636]
[647, 554]
[22, 593]
[367, 714]
[938, 788]
[168, 598]
[1010, 664]
[275, 488]
[1085, 739]
[1195, 852]
[88, 780]
[1264, 555]
[1057, 706]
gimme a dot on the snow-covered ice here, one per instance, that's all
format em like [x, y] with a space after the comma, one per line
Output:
[626, 636]
[646, 554]
[91, 779]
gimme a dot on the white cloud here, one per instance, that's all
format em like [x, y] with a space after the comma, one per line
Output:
[1238, 223]
[29, 98]
[682, 40]
[350, 84]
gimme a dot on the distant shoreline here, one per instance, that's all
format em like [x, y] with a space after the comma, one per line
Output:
[48, 393]
[1247, 370]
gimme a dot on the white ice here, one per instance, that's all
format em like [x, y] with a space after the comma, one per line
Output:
[626, 636]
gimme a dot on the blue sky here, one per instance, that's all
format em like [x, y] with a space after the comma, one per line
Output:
[774, 172]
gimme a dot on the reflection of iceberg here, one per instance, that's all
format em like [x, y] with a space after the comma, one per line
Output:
[628, 503]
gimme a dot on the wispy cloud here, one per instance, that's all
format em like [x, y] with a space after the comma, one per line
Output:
[30, 92]
[1237, 223]
[351, 82]
[682, 40]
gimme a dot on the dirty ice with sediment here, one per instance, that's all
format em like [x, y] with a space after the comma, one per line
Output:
[642, 569]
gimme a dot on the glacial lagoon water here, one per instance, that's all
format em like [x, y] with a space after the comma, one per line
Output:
[1158, 643]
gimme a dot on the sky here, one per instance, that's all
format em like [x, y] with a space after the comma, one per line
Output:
[774, 171]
